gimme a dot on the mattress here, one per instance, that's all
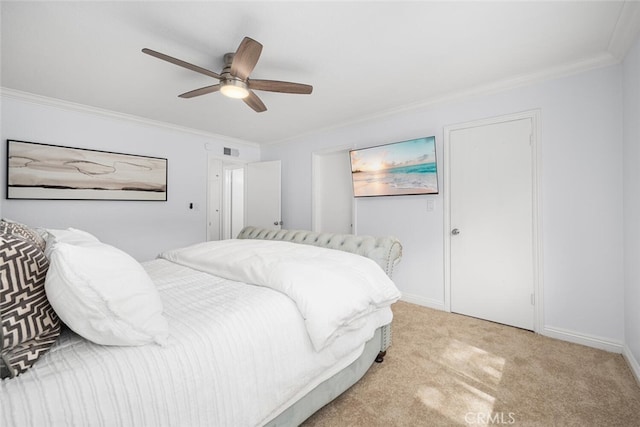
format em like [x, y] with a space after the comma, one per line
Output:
[238, 354]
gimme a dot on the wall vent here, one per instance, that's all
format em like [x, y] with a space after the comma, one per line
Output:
[231, 152]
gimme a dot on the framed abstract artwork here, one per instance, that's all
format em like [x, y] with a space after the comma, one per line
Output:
[43, 171]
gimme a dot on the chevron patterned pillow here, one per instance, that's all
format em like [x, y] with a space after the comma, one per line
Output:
[29, 324]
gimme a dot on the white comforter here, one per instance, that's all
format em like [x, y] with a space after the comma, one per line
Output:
[237, 355]
[333, 290]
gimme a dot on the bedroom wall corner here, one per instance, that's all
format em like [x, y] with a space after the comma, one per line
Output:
[631, 136]
[142, 229]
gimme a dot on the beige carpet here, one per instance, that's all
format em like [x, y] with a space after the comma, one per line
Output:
[445, 369]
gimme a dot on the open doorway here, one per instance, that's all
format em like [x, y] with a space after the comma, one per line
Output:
[239, 194]
[233, 204]
[332, 192]
[225, 198]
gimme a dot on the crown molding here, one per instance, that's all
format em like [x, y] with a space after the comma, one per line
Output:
[604, 59]
[72, 106]
[626, 31]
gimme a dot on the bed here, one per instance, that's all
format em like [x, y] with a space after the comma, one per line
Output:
[236, 354]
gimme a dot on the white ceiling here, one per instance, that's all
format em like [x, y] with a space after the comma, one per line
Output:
[363, 58]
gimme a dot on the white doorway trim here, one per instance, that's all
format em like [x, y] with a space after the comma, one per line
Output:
[216, 219]
[536, 168]
[233, 199]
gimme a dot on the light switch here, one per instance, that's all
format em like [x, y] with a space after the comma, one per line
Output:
[430, 205]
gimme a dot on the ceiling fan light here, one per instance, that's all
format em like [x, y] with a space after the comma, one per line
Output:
[234, 89]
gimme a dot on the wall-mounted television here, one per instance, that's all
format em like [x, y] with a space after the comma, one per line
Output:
[399, 168]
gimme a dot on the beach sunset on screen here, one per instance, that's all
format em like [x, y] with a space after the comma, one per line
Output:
[407, 167]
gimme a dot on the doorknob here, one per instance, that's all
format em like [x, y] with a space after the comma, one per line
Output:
[277, 223]
[455, 231]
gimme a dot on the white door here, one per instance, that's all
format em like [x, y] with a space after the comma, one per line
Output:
[332, 192]
[491, 222]
[263, 194]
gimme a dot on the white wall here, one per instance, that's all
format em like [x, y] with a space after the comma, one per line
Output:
[581, 186]
[631, 71]
[143, 229]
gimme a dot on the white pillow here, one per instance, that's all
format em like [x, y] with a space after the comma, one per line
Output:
[69, 235]
[104, 295]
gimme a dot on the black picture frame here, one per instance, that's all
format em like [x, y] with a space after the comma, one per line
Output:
[55, 172]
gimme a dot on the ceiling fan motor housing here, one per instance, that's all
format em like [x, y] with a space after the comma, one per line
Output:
[232, 86]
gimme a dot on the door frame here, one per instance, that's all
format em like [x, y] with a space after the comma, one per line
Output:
[227, 199]
[536, 168]
[225, 160]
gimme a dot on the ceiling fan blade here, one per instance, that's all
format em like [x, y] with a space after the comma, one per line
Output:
[202, 91]
[278, 86]
[245, 58]
[254, 102]
[181, 63]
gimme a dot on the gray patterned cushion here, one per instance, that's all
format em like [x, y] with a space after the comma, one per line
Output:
[21, 230]
[29, 324]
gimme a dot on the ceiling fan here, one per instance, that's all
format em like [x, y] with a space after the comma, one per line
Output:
[234, 78]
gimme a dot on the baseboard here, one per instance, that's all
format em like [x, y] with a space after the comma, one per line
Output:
[632, 362]
[425, 302]
[578, 338]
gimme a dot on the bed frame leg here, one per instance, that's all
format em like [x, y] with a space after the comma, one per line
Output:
[380, 357]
